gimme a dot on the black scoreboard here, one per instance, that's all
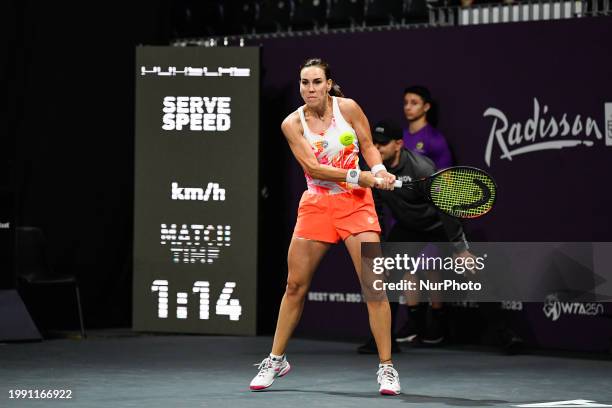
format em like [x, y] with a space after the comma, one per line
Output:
[196, 189]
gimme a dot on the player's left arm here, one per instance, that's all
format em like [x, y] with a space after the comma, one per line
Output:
[353, 113]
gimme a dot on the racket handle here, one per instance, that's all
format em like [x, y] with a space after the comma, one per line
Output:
[398, 183]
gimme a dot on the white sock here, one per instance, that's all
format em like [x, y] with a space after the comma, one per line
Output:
[277, 358]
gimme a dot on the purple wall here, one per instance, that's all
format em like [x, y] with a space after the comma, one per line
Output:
[544, 195]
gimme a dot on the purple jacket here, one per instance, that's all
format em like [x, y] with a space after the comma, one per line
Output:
[431, 143]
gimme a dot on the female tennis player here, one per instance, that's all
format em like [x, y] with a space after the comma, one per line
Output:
[326, 135]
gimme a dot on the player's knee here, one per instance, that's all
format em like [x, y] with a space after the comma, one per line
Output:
[295, 289]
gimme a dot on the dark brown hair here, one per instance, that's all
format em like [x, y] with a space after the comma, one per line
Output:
[318, 62]
[423, 92]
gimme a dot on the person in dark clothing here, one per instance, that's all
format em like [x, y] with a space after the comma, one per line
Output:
[421, 136]
[414, 218]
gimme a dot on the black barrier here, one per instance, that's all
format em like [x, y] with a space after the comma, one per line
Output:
[196, 190]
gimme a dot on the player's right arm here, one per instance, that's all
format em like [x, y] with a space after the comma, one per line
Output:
[294, 133]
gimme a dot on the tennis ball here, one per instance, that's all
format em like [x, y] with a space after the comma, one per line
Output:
[347, 138]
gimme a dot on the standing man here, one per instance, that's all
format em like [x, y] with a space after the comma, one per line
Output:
[416, 219]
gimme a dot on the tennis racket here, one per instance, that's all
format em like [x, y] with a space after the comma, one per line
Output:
[461, 191]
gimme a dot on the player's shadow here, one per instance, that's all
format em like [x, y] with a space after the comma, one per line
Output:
[407, 398]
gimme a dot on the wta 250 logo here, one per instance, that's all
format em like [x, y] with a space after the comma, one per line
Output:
[545, 130]
[554, 309]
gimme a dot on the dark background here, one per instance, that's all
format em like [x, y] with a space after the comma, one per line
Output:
[68, 115]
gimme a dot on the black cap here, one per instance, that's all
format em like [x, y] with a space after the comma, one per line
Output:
[385, 131]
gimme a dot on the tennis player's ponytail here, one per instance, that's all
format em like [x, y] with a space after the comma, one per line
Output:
[318, 62]
[335, 90]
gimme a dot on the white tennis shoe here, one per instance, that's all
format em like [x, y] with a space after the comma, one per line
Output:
[269, 370]
[388, 378]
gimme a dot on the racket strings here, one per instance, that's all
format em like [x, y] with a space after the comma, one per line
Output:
[463, 192]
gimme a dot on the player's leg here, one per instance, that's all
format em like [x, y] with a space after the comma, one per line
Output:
[379, 314]
[370, 347]
[302, 260]
[378, 310]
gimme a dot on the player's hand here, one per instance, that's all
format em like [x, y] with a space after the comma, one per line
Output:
[388, 180]
[465, 254]
[367, 179]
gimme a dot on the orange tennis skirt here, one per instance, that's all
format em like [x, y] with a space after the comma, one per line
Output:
[331, 217]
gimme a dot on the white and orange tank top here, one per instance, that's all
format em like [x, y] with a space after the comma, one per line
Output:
[333, 147]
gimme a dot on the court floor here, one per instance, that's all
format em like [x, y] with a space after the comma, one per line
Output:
[112, 369]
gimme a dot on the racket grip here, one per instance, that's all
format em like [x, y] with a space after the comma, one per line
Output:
[398, 183]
